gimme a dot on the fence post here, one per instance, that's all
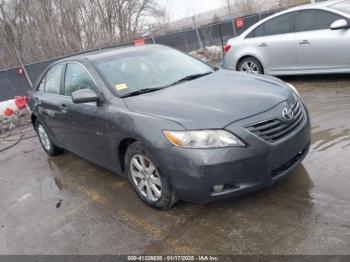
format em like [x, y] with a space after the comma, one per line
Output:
[197, 32]
[153, 39]
[231, 17]
[151, 33]
[259, 12]
[222, 41]
[24, 68]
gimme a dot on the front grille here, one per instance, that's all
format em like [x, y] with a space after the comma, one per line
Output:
[274, 130]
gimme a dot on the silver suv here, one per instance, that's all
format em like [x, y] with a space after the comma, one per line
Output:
[309, 39]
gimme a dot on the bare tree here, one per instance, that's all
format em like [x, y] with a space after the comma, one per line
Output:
[49, 28]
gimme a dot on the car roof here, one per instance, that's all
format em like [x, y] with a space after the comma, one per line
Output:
[106, 52]
[316, 5]
[320, 5]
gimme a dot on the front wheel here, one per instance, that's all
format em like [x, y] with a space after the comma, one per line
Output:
[250, 65]
[152, 186]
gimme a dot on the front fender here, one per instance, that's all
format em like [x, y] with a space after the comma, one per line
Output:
[143, 128]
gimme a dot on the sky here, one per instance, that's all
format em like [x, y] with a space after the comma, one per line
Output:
[183, 8]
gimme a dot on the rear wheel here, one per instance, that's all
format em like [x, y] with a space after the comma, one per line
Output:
[152, 186]
[46, 142]
[250, 65]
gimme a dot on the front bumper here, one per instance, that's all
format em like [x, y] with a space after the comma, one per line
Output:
[195, 172]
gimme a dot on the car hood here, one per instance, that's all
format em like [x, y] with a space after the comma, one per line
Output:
[213, 101]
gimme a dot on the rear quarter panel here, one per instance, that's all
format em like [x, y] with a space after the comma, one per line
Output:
[240, 49]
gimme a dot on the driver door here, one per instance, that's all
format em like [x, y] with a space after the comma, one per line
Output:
[87, 130]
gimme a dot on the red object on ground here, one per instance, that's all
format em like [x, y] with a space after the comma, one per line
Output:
[239, 23]
[140, 41]
[21, 102]
[8, 112]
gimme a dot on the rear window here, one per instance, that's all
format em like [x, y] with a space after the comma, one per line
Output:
[342, 6]
[41, 87]
[259, 31]
[282, 24]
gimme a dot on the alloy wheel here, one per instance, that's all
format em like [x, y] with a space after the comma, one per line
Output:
[44, 138]
[146, 177]
[250, 67]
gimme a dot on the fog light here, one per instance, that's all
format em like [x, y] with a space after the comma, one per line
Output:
[218, 188]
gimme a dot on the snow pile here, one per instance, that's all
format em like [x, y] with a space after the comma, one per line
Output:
[212, 55]
[7, 104]
[12, 115]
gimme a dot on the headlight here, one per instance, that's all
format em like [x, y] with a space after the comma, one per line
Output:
[293, 89]
[203, 139]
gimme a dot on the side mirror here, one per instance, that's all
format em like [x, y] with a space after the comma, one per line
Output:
[85, 96]
[340, 24]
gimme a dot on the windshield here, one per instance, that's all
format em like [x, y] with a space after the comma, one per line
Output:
[148, 68]
[342, 6]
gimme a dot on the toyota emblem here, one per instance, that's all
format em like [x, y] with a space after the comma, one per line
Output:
[288, 113]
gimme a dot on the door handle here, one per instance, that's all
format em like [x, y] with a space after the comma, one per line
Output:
[263, 45]
[304, 42]
[37, 100]
[63, 108]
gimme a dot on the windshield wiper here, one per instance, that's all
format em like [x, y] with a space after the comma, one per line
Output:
[190, 77]
[149, 90]
[142, 91]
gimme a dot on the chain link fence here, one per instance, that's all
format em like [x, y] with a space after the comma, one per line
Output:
[194, 40]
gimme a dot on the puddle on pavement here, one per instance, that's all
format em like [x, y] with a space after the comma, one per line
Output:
[328, 161]
[50, 188]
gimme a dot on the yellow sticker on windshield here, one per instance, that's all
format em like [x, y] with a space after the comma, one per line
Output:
[121, 86]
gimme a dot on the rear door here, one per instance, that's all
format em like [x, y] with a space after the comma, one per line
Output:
[49, 100]
[319, 47]
[275, 41]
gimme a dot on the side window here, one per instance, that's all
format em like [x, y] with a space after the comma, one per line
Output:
[309, 20]
[53, 79]
[282, 24]
[77, 78]
[41, 87]
[259, 31]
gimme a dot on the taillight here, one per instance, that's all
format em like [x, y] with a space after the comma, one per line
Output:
[227, 48]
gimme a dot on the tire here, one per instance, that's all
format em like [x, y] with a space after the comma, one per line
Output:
[50, 148]
[250, 65]
[153, 180]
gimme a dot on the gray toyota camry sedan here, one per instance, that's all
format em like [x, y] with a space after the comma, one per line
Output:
[174, 126]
